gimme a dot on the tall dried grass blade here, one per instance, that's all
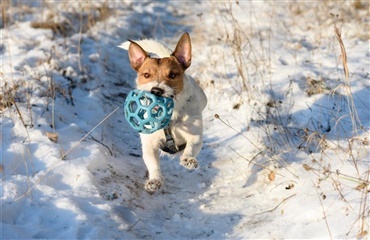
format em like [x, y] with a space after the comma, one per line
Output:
[348, 90]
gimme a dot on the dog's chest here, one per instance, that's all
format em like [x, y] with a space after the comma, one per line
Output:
[173, 140]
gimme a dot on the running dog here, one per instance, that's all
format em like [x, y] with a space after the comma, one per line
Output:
[162, 72]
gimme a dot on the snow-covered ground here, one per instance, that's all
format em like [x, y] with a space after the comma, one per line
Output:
[286, 146]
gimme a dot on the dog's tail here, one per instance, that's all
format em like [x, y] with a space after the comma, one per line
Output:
[124, 45]
[152, 47]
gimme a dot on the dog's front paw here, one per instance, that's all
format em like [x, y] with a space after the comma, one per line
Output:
[189, 163]
[152, 185]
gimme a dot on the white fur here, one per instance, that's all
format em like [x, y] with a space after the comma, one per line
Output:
[168, 91]
[186, 123]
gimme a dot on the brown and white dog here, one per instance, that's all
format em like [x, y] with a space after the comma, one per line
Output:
[162, 72]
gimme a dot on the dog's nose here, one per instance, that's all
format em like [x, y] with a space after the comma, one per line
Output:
[157, 91]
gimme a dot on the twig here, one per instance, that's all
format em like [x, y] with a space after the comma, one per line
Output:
[101, 142]
[134, 225]
[251, 161]
[80, 38]
[229, 125]
[271, 210]
[362, 210]
[323, 211]
[344, 176]
[351, 105]
[87, 134]
[338, 35]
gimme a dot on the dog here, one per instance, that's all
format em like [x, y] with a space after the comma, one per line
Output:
[162, 72]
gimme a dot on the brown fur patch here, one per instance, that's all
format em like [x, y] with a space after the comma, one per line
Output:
[167, 70]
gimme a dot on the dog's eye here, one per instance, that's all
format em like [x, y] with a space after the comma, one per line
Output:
[146, 75]
[172, 75]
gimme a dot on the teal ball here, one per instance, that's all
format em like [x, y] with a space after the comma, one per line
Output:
[146, 112]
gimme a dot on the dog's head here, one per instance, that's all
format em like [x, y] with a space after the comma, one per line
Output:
[161, 76]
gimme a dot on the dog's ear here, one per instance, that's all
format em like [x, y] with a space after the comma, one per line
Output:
[137, 55]
[183, 51]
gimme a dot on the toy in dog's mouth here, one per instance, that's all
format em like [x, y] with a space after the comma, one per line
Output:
[147, 112]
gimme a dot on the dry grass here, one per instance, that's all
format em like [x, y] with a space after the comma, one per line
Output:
[21, 82]
[281, 137]
[64, 19]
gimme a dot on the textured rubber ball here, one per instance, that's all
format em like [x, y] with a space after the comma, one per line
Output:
[146, 112]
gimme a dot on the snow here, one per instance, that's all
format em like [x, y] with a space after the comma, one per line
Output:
[286, 141]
